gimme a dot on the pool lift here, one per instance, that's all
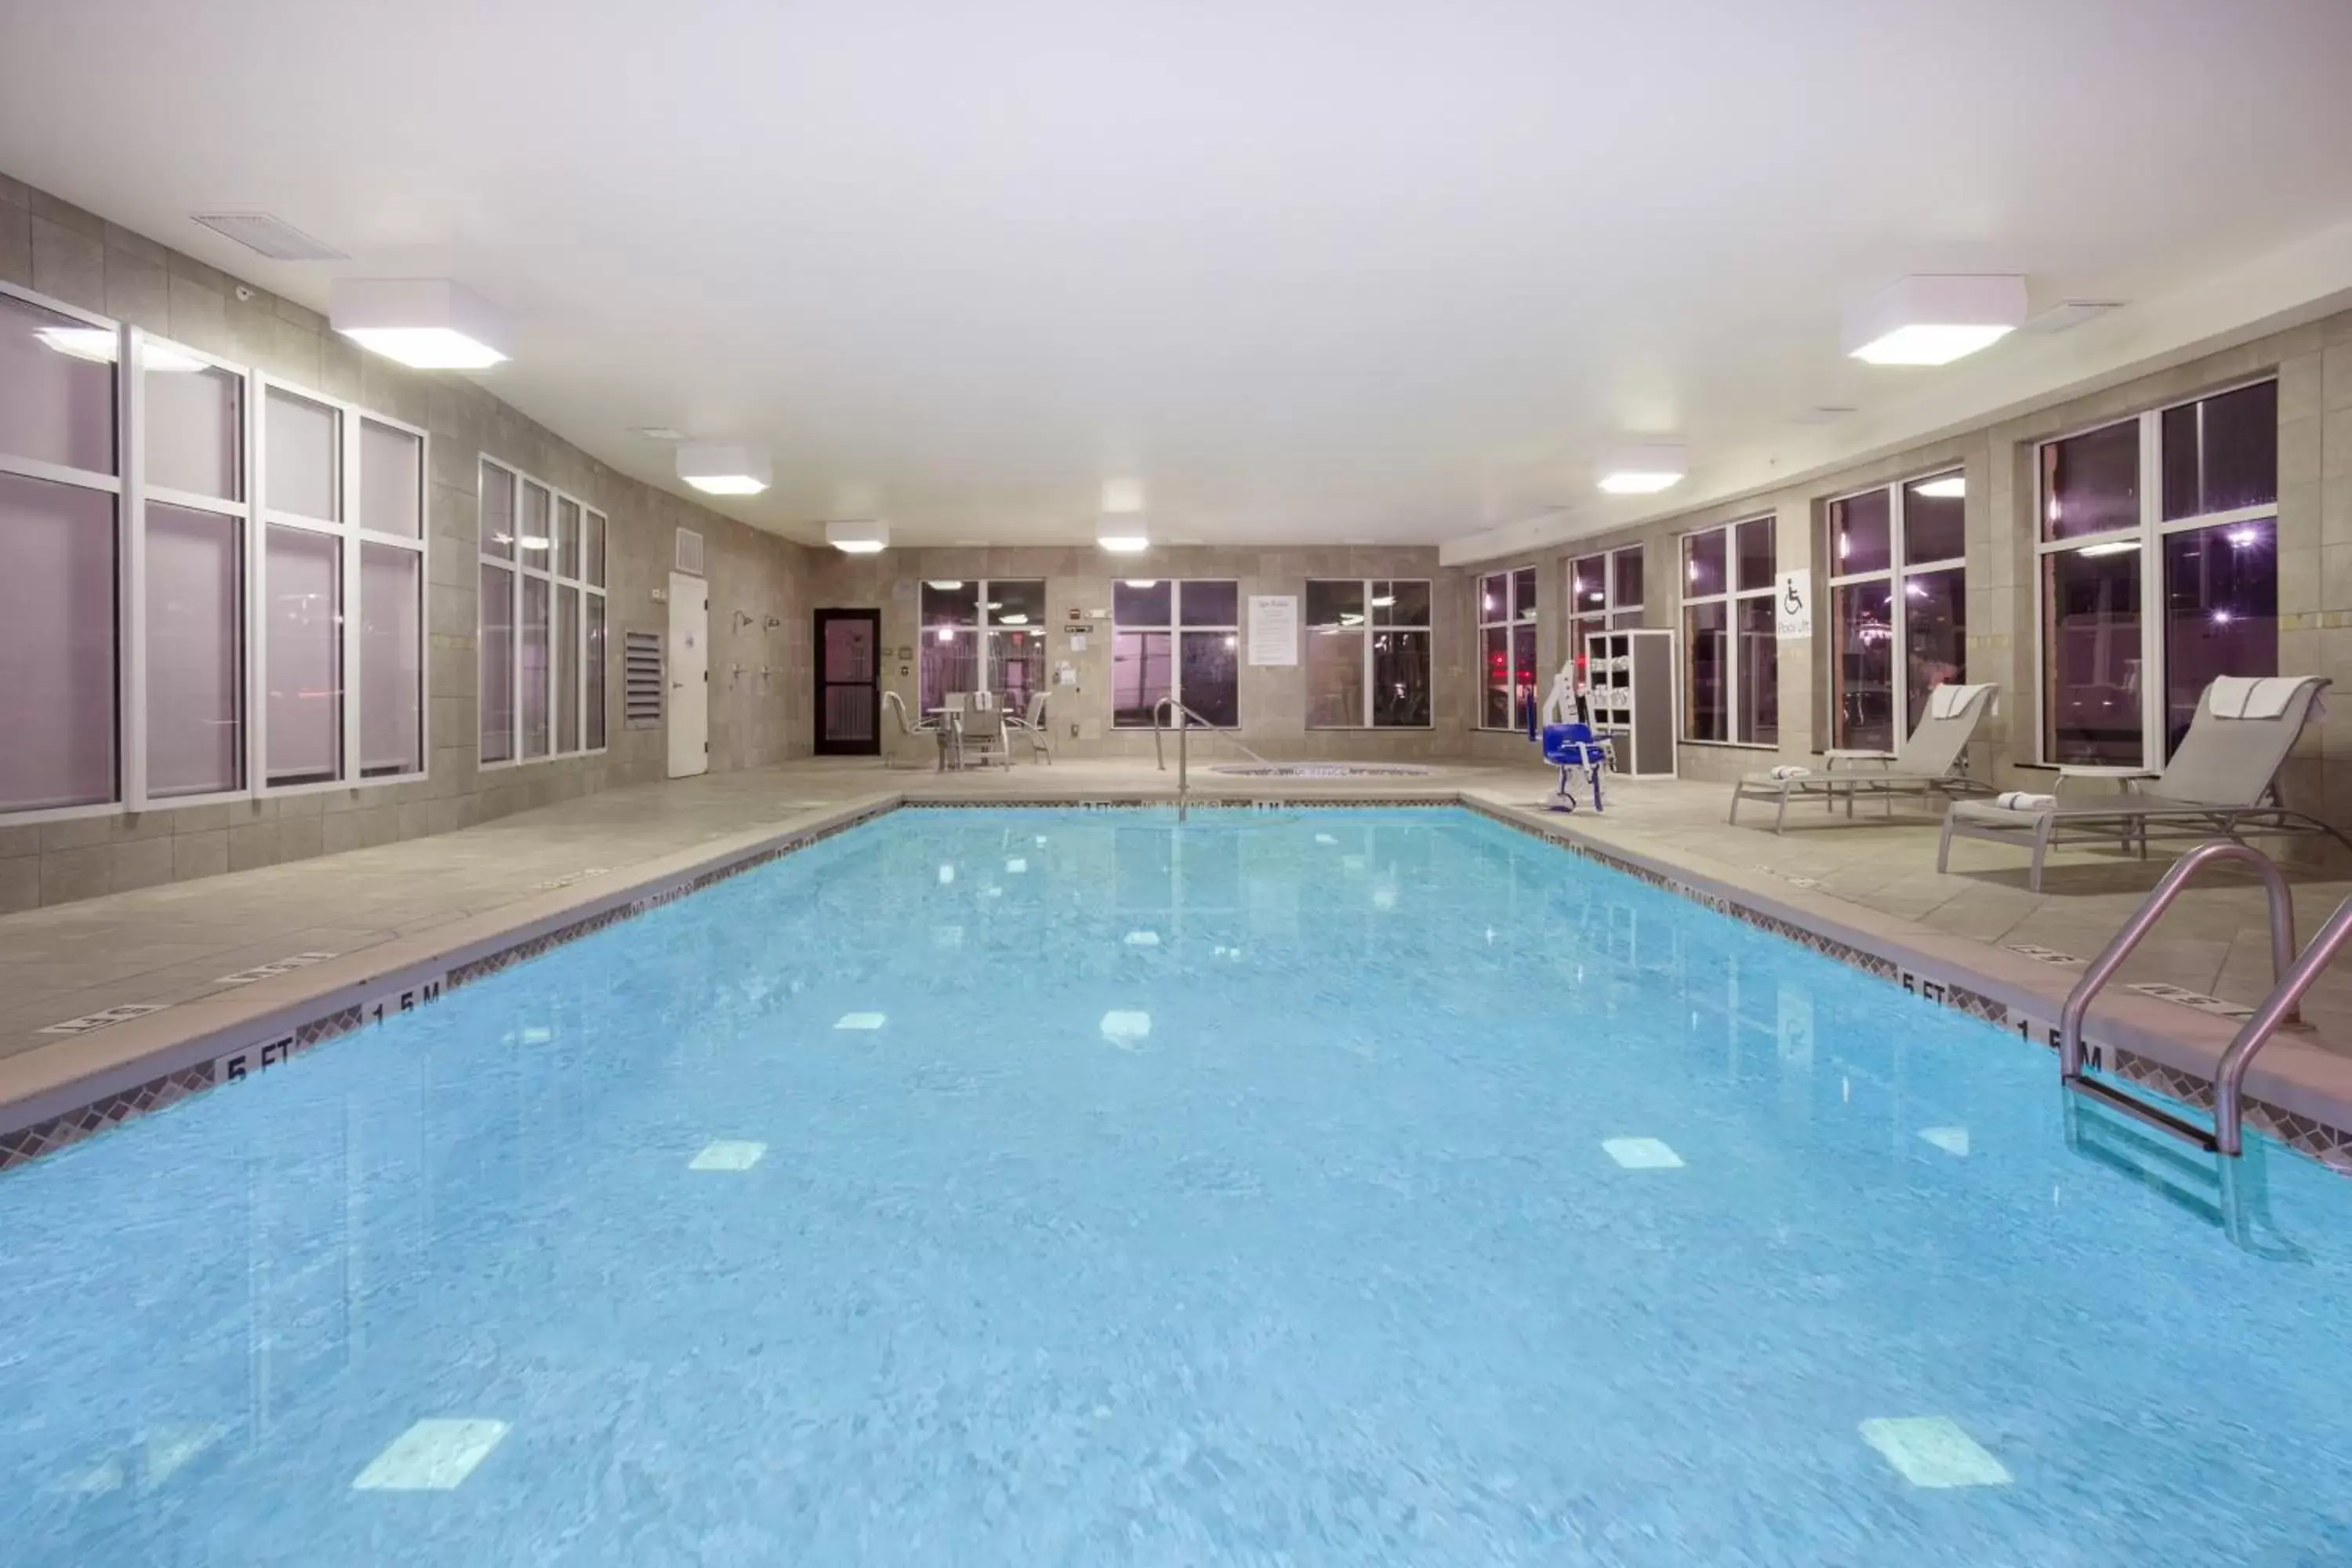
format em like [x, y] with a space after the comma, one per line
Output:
[1569, 744]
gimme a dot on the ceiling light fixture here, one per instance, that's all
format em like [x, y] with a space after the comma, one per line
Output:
[859, 536]
[1644, 470]
[425, 323]
[1123, 533]
[1143, 582]
[1948, 487]
[724, 470]
[1934, 320]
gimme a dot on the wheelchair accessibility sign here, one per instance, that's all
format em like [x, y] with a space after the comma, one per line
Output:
[1792, 605]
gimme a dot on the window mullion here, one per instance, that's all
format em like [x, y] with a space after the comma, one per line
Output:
[130, 589]
[347, 491]
[2151, 581]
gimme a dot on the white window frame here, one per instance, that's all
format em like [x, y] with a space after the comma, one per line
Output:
[1175, 631]
[123, 485]
[1583, 618]
[983, 628]
[2150, 534]
[128, 486]
[517, 567]
[350, 536]
[1369, 628]
[1898, 570]
[1515, 615]
[1730, 598]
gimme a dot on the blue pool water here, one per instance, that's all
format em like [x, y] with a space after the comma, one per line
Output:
[1241, 1193]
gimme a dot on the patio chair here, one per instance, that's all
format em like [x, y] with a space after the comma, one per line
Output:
[1932, 762]
[2222, 781]
[905, 742]
[981, 738]
[1032, 725]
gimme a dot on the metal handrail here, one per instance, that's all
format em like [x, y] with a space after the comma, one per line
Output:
[1184, 749]
[2279, 1007]
[2283, 965]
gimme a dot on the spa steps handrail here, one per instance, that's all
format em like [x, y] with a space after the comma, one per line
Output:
[1187, 721]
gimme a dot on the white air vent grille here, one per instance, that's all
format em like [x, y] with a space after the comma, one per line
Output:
[689, 552]
[641, 679]
[273, 238]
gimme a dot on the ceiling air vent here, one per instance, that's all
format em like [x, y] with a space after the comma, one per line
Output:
[273, 238]
[689, 552]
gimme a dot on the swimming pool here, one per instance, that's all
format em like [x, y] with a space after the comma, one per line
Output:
[1012, 1186]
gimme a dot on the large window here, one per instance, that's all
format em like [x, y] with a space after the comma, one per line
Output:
[983, 635]
[1178, 640]
[2185, 498]
[1731, 658]
[541, 644]
[1506, 648]
[210, 583]
[1898, 606]
[1367, 654]
[1604, 593]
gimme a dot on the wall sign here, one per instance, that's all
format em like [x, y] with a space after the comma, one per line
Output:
[1792, 605]
[1273, 629]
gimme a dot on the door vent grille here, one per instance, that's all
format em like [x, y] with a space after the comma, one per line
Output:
[641, 679]
[689, 552]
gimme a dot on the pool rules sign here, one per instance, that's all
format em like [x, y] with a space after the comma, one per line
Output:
[1273, 628]
[1792, 605]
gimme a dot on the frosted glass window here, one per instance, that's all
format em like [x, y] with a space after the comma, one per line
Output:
[57, 387]
[567, 669]
[533, 702]
[593, 548]
[498, 664]
[391, 660]
[498, 507]
[57, 643]
[532, 535]
[392, 481]
[303, 622]
[195, 733]
[196, 431]
[567, 539]
[595, 671]
[303, 468]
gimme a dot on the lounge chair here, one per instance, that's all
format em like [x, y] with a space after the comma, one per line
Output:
[1933, 762]
[903, 738]
[2222, 782]
[1032, 725]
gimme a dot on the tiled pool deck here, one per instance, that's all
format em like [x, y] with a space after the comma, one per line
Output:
[302, 951]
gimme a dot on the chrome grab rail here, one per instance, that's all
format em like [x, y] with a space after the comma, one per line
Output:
[1159, 754]
[2279, 1008]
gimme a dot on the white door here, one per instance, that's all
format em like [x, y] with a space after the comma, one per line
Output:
[689, 676]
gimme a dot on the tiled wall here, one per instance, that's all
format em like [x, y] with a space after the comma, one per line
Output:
[1273, 697]
[71, 255]
[2314, 366]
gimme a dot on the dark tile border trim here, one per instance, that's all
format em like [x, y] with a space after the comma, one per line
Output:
[2330, 1145]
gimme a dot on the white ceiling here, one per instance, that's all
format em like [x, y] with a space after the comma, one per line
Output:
[1310, 269]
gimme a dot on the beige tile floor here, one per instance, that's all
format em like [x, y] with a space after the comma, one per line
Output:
[174, 943]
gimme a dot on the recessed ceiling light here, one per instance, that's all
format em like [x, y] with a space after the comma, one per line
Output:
[1946, 486]
[1644, 470]
[1934, 320]
[425, 323]
[859, 536]
[724, 470]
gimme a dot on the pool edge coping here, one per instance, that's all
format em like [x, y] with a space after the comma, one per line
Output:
[51, 1098]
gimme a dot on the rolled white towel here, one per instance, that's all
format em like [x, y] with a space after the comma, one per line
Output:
[2025, 800]
[1791, 771]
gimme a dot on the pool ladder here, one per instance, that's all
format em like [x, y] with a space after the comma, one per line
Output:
[1183, 720]
[2291, 977]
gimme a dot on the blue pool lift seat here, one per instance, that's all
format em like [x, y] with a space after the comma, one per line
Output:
[1575, 749]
